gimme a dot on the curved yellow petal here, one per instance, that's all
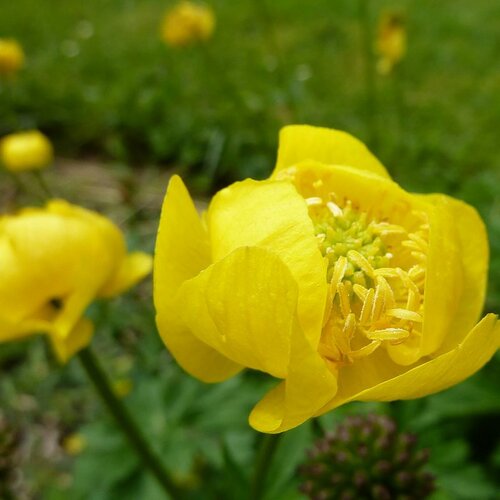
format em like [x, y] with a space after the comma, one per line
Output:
[332, 147]
[379, 380]
[271, 215]
[135, 266]
[79, 337]
[309, 385]
[182, 251]
[474, 255]
[244, 306]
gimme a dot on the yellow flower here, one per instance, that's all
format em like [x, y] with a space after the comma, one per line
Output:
[328, 276]
[11, 57]
[187, 23]
[391, 41]
[26, 151]
[55, 261]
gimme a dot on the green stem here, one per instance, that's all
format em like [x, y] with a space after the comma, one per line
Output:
[129, 427]
[265, 454]
[364, 20]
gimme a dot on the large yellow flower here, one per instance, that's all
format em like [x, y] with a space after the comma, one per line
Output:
[11, 57]
[29, 150]
[187, 23]
[54, 262]
[328, 276]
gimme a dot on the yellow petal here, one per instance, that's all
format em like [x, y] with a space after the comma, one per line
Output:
[134, 267]
[65, 347]
[244, 306]
[474, 255]
[331, 147]
[309, 385]
[444, 275]
[182, 251]
[271, 215]
[380, 380]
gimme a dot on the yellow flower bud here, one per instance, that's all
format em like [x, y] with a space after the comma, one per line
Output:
[74, 444]
[11, 57]
[391, 41]
[327, 276]
[26, 151]
[55, 262]
[187, 23]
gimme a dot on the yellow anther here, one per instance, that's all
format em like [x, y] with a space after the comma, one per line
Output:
[420, 256]
[338, 274]
[378, 302]
[334, 209]
[404, 314]
[390, 301]
[417, 272]
[360, 291]
[386, 272]
[314, 201]
[407, 282]
[345, 303]
[413, 301]
[366, 350]
[388, 334]
[385, 228]
[350, 326]
[412, 245]
[361, 262]
[366, 310]
[419, 241]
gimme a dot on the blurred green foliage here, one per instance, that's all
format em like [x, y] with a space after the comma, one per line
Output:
[99, 82]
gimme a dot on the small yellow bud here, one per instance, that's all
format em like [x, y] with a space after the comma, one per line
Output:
[122, 387]
[11, 57]
[74, 444]
[26, 151]
[187, 23]
[391, 41]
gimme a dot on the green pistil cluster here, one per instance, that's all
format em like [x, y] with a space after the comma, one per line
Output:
[350, 230]
[366, 458]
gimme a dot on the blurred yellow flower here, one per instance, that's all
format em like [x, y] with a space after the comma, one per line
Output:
[122, 387]
[391, 41]
[74, 444]
[55, 261]
[11, 57]
[328, 276]
[187, 23]
[29, 150]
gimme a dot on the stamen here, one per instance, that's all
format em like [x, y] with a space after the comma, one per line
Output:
[366, 350]
[345, 303]
[314, 201]
[334, 209]
[367, 307]
[404, 314]
[388, 334]
[361, 262]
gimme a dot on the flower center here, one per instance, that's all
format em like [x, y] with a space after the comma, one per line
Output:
[376, 276]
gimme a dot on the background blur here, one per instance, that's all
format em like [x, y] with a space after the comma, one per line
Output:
[124, 110]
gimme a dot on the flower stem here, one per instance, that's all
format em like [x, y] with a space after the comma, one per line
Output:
[122, 416]
[364, 20]
[47, 192]
[268, 445]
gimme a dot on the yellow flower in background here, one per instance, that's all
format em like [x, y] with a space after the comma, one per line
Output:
[187, 23]
[54, 262]
[11, 57]
[29, 150]
[327, 276]
[74, 444]
[391, 41]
